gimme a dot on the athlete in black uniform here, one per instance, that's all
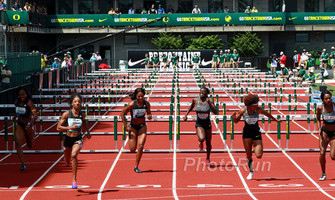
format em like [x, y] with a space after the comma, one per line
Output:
[203, 106]
[26, 115]
[251, 130]
[137, 127]
[326, 112]
[71, 123]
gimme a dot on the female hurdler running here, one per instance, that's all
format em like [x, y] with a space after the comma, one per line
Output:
[326, 112]
[251, 131]
[137, 128]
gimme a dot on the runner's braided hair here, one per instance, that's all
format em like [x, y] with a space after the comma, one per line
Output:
[134, 94]
[250, 99]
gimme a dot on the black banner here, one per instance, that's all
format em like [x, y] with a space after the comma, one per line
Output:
[136, 57]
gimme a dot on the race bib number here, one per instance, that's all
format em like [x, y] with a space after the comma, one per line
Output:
[74, 122]
[251, 121]
[20, 110]
[139, 113]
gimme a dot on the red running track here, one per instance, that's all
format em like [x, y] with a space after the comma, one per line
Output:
[278, 175]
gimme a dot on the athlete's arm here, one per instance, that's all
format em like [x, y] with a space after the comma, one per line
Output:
[190, 109]
[148, 111]
[124, 113]
[61, 127]
[260, 110]
[211, 105]
[33, 111]
[318, 118]
[237, 117]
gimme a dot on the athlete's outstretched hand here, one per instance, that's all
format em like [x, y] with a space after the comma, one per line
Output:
[185, 118]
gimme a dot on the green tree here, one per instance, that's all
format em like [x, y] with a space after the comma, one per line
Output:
[207, 42]
[247, 44]
[168, 41]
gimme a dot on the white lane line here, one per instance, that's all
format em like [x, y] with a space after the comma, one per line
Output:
[174, 175]
[296, 164]
[38, 180]
[232, 157]
[99, 197]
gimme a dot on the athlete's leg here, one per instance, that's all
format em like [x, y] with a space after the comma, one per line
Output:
[208, 142]
[323, 143]
[201, 134]
[258, 148]
[67, 155]
[142, 135]
[74, 156]
[132, 143]
[19, 139]
[29, 137]
[332, 148]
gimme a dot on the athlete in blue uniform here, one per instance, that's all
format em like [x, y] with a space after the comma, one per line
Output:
[203, 107]
[26, 115]
[251, 131]
[71, 123]
[137, 127]
[326, 112]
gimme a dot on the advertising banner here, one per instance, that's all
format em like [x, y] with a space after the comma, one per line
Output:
[136, 57]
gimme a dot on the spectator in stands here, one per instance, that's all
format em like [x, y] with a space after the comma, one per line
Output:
[117, 12]
[3, 61]
[196, 10]
[213, 9]
[79, 60]
[303, 57]
[310, 62]
[160, 10]
[254, 9]
[65, 61]
[226, 9]
[6, 74]
[332, 60]
[282, 59]
[98, 11]
[98, 56]
[144, 11]
[27, 7]
[308, 79]
[93, 58]
[170, 10]
[324, 59]
[273, 62]
[111, 11]
[3, 6]
[204, 10]
[131, 11]
[17, 6]
[219, 10]
[138, 10]
[152, 10]
[248, 10]
[43, 61]
[91, 11]
[296, 59]
[55, 64]
[69, 58]
[33, 7]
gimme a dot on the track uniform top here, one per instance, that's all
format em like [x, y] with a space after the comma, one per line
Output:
[328, 117]
[251, 128]
[138, 112]
[22, 111]
[75, 121]
[203, 113]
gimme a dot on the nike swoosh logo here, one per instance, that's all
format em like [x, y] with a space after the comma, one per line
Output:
[130, 63]
[204, 63]
[292, 18]
[101, 20]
